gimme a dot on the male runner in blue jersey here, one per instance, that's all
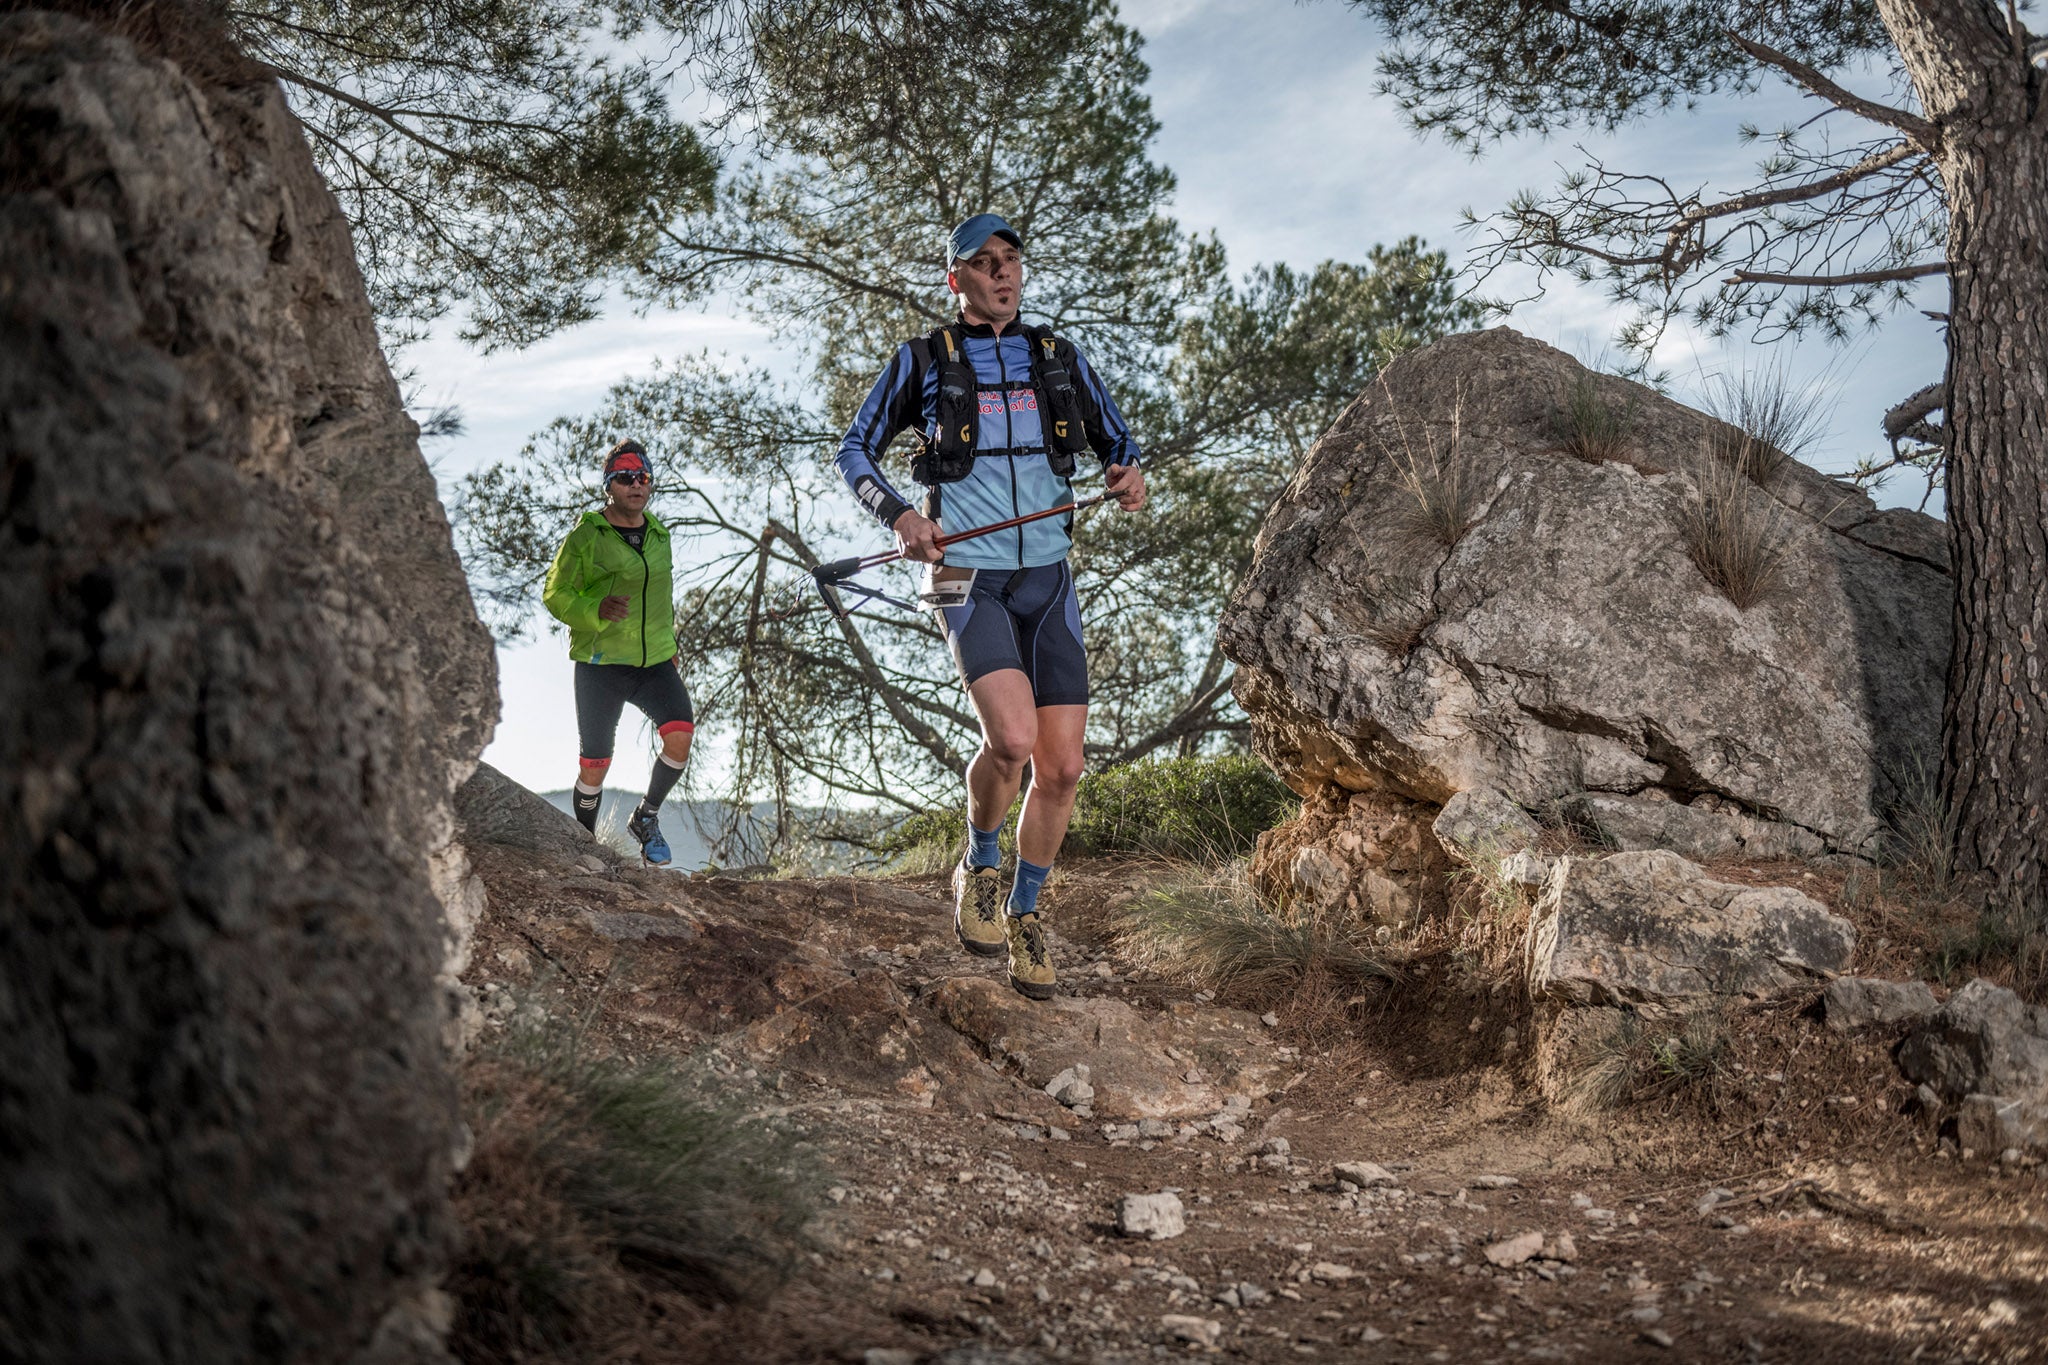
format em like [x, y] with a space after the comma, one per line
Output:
[1000, 411]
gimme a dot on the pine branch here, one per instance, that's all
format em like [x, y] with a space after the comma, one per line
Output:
[1922, 132]
[1904, 272]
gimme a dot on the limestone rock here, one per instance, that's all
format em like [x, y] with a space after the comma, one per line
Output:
[1651, 929]
[1367, 854]
[1125, 1050]
[493, 809]
[1634, 823]
[1364, 1174]
[1567, 642]
[242, 676]
[1990, 1124]
[1984, 1040]
[1483, 825]
[1858, 1002]
[1512, 1251]
[1157, 1216]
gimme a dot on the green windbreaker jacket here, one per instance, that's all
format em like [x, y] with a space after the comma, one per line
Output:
[594, 563]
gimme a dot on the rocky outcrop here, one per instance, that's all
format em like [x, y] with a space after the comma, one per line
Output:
[493, 809]
[1852, 1003]
[241, 678]
[1565, 644]
[1654, 932]
[1365, 854]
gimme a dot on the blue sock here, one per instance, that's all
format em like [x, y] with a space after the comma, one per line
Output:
[982, 847]
[1024, 893]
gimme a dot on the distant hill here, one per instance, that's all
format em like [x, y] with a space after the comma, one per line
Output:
[691, 826]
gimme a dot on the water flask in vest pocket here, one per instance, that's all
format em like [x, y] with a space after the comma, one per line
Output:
[945, 586]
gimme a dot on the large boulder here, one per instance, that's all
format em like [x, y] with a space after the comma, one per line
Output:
[240, 676]
[1566, 642]
[1983, 1040]
[1654, 932]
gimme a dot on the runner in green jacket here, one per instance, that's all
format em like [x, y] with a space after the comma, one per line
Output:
[612, 585]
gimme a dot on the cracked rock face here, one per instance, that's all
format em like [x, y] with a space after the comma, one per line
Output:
[241, 677]
[1567, 643]
[1653, 931]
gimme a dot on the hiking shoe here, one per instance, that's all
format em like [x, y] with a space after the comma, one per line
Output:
[1030, 960]
[645, 826]
[978, 909]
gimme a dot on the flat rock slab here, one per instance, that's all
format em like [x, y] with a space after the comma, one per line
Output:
[1859, 1002]
[1138, 1061]
[1651, 929]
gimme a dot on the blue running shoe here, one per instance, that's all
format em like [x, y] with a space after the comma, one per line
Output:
[646, 827]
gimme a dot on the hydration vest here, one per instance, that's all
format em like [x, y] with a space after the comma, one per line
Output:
[1065, 410]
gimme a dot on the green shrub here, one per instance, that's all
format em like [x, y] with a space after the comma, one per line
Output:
[1201, 807]
[1198, 807]
[598, 1183]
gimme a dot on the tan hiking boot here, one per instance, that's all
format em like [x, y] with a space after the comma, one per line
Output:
[978, 909]
[1030, 959]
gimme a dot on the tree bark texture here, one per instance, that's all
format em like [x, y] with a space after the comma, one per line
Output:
[1985, 99]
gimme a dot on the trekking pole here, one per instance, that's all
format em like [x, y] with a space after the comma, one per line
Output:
[832, 576]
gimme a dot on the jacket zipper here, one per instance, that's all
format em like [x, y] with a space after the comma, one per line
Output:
[645, 576]
[1010, 440]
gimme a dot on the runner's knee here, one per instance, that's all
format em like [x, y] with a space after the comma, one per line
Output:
[675, 740]
[1057, 775]
[1009, 749]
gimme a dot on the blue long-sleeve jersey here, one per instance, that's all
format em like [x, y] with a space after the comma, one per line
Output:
[1013, 483]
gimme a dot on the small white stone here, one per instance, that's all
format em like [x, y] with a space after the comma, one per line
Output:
[1512, 1251]
[1202, 1332]
[1156, 1216]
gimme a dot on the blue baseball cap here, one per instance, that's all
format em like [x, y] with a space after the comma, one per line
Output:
[969, 236]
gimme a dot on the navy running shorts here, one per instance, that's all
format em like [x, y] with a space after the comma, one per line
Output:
[602, 691]
[1026, 619]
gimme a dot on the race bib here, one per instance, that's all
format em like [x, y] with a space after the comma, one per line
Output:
[945, 586]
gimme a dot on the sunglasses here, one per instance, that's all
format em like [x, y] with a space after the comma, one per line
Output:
[631, 480]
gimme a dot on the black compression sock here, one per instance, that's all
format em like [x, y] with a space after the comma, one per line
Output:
[661, 782]
[586, 804]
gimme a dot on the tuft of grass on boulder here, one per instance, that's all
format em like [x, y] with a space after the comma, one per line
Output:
[600, 1187]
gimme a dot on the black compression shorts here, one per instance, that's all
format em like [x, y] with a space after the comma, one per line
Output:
[1027, 619]
[602, 691]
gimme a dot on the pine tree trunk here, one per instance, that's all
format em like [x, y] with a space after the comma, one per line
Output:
[1993, 156]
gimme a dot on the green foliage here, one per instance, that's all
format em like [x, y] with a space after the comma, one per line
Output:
[1210, 929]
[596, 1179]
[1206, 808]
[835, 240]
[516, 157]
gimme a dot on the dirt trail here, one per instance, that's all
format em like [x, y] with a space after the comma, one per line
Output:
[970, 1218]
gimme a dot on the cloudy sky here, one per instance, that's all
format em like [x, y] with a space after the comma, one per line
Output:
[1281, 146]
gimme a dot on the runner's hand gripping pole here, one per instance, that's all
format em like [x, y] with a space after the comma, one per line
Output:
[832, 577]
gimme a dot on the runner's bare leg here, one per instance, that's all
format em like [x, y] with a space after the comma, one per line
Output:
[1009, 734]
[1055, 772]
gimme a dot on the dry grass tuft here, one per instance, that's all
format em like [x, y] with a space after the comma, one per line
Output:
[600, 1190]
[1431, 471]
[1590, 427]
[1768, 420]
[1209, 928]
[1735, 534]
[1637, 1061]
